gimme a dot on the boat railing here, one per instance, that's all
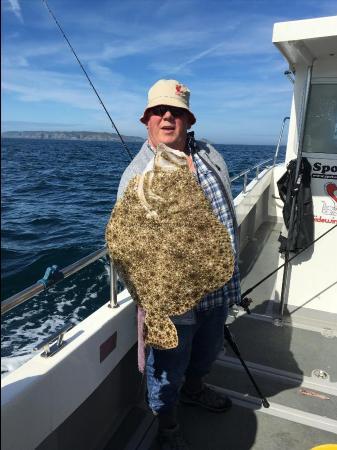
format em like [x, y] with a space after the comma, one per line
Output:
[280, 139]
[245, 173]
[42, 285]
[258, 166]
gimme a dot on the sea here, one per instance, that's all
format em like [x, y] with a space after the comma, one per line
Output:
[57, 197]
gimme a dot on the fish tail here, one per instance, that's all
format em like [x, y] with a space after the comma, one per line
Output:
[160, 332]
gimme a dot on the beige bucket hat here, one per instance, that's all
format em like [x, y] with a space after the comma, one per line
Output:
[169, 92]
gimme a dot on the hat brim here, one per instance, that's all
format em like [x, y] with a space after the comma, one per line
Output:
[170, 102]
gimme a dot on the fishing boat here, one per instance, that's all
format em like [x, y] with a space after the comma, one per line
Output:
[82, 389]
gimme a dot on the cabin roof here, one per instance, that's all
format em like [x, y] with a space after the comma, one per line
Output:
[302, 41]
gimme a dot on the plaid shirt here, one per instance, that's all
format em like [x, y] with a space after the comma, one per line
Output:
[231, 292]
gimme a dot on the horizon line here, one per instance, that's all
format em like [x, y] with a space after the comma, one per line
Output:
[75, 131]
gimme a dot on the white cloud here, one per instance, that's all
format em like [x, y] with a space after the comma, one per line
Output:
[40, 86]
[45, 86]
[196, 57]
[164, 42]
[21, 54]
[239, 39]
[14, 61]
[16, 9]
[223, 53]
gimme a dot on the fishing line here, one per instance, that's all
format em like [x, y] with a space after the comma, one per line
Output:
[91, 84]
[290, 259]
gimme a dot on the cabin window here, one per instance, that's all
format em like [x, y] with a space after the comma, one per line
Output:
[320, 133]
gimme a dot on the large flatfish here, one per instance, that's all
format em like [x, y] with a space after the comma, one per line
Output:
[168, 246]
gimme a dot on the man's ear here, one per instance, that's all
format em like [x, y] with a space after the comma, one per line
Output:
[189, 124]
[146, 119]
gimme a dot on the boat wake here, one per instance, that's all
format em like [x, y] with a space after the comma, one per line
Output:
[72, 300]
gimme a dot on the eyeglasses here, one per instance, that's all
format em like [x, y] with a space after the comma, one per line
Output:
[161, 110]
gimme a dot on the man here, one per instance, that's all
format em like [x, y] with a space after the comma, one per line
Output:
[178, 373]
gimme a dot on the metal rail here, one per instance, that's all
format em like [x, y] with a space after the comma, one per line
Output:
[36, 288]
[279, 139]
[31, 291]
[245, 173]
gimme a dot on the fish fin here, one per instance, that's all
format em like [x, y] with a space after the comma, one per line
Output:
[160, 332]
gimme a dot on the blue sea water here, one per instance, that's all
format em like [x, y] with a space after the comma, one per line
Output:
[57, 197]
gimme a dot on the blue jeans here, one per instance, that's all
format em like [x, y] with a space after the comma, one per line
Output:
[199, 344]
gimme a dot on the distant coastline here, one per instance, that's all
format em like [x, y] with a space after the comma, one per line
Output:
[69, 135]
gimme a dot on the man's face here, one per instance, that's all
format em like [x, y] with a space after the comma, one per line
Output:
[168, 127]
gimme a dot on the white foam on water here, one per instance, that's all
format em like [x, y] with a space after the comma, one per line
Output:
[60, 305]
[76, 316]
[19, 319]
[32, 336]
[45, 316]
[8, 364]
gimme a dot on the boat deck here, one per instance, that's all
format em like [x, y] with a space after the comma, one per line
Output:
[294, 365]
[302, 411]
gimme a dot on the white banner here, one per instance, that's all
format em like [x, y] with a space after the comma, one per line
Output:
[324, 188]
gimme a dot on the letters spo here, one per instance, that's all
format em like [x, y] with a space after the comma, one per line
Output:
[324, 168]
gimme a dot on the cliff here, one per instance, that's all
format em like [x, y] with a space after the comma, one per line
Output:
[69, 135]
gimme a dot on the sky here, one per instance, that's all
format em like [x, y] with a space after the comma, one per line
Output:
[221, 49]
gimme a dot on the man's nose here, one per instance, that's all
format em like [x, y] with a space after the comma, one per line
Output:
[168, 115]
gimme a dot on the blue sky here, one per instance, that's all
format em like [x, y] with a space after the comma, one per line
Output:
[221, 49]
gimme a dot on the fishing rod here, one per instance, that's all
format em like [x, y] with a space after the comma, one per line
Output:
[298, 179]
[278, 268]
[245, 302]
[88, 78]
[229, 337]
[294, 196]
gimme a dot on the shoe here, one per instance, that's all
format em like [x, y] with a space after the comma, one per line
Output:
[206, 398]
[171, 439]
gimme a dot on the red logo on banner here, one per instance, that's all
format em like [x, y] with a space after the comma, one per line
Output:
[331, 189]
